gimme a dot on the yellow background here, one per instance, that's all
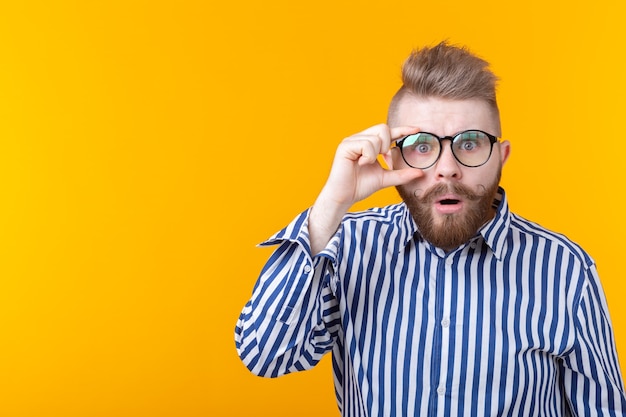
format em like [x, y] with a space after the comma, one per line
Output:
[129, 214]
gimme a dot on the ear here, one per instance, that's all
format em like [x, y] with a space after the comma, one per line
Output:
[505, 151]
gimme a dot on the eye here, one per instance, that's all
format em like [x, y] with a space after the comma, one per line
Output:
[420, 143]
[422, 147]
[468, 145]
[471, 141]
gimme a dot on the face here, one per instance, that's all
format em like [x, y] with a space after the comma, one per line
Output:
[451, 201]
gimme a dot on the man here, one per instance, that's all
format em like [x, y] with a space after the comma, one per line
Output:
[444, 304]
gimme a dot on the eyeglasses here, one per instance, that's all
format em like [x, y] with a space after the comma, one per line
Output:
[471, 148]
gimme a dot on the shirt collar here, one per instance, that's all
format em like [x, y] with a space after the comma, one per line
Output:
[493, 232]
[496, 230]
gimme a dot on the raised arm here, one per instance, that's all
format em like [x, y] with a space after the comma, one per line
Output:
[356, 174]
[292, 318]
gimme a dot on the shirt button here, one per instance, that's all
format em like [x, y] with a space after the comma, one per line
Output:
[441, 390]
[473, 245]
[445, 323]
[449, 261]
[307, 268]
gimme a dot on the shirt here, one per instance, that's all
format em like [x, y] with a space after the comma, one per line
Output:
[512, 323]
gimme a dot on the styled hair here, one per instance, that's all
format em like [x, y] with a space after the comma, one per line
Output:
[448, 72]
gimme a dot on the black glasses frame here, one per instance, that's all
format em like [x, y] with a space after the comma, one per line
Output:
[492, 139]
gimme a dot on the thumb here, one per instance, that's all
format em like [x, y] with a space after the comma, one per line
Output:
[401, 176]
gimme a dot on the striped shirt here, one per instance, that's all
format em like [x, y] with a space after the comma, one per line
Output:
[513, 323]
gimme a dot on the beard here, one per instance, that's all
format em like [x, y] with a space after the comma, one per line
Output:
[449, 231]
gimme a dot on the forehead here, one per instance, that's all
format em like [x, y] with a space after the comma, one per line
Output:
[445, 117]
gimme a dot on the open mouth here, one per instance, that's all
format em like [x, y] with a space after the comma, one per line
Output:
[449, 205]
[448, 202]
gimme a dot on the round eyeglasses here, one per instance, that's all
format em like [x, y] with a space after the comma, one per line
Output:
[472, 148]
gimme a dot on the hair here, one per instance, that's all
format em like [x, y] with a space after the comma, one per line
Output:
[448, 72]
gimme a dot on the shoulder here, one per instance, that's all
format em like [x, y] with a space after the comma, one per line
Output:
[379, 223]
[536, 234]
[390, 214]
[383, 214]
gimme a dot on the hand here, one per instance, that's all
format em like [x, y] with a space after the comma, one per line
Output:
[356, 174]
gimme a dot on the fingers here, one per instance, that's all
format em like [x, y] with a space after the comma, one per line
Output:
[392, 178]
[364, 147]
[402, 131]
[373, 141]
[356, 172]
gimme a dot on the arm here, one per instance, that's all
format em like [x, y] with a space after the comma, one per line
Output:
[592, 376]
[292, 318]
[355, 175]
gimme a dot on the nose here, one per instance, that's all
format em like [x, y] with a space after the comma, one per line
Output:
[447, 166]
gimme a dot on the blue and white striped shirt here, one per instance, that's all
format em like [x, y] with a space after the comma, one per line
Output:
[513, 323]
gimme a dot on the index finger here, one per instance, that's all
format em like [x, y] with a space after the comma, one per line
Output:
[399, 132]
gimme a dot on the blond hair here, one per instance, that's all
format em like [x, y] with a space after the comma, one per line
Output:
[448, 72]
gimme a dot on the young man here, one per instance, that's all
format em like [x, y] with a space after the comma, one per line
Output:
[447, 303]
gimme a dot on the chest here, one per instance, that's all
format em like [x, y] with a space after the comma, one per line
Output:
[457, 302]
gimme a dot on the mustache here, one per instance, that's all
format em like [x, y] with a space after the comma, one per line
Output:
[438, 190]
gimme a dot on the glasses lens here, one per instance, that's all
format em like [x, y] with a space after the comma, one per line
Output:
[420, 150]
[472, 148]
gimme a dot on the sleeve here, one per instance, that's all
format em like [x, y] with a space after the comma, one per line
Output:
[592, 376]
[292, 318]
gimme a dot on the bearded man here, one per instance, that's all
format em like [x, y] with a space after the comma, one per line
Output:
[446, 303]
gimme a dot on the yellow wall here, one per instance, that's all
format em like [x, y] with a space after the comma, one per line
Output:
[129, 220]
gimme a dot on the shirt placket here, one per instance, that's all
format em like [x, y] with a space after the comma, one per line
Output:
[441, 336]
